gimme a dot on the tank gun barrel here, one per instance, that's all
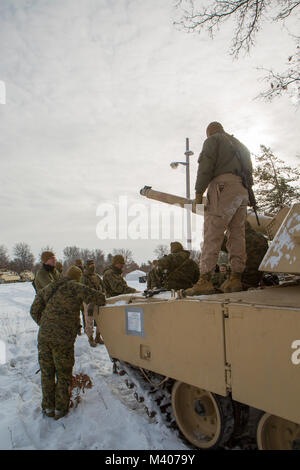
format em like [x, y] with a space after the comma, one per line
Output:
[183, 202]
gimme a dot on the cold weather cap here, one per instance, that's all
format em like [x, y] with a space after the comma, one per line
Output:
[176, 247]
[90, 261]
[46, 255]
[74, 273]
[213, 128]
[118, 259]
[78, 262]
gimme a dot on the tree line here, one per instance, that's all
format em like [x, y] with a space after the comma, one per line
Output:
[23, 259]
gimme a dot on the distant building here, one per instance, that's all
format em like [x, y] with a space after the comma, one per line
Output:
[136, 275]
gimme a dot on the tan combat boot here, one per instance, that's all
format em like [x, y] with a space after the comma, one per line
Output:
[92, 342]
[233, 284]
[204, 286]
[98, 339]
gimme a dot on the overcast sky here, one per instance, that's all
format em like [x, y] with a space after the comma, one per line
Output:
[100, 96]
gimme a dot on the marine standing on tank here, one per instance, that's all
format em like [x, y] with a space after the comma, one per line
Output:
[47, 272]
[114, 283]
[93, 280]
[180, 271]
[221, 161]
[56, 310]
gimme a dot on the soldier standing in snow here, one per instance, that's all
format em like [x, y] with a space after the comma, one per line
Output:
[114, 283]
[47, 272]
[221, 162]
[91, 279]
[56, 310]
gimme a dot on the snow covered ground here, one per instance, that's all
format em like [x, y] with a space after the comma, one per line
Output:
[108, 418]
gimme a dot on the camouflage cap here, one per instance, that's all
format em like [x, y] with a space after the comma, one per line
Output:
[118, 259]
[90, 261]
[176, 247]
[78, 262]
[46, 255]
[74, 273]
[213, 128]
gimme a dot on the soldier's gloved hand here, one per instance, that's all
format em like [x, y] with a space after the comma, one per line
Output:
[90, 310]
[198, 200]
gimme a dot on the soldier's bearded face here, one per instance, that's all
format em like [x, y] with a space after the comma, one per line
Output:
[51, 261]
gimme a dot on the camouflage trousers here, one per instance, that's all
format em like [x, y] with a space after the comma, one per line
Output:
[89, 321]
[56, 360]
[226, 209]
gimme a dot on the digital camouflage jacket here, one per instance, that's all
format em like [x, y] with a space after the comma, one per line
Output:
[181, 271]
[56, 309]
[114, 283]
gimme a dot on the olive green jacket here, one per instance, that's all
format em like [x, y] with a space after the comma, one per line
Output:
[56, 309]
[114, 283]
[218, 157]
[181, 272]
[43, 277]
[256, 248]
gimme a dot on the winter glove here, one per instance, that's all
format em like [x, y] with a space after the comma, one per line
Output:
[197, 200]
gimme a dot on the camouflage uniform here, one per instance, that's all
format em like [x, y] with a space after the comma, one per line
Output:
[114, 283]
[91, 279]
[44, 276]
[181, 271]
[256, 248]
[154, 279]
[56, 310]
[219, 276]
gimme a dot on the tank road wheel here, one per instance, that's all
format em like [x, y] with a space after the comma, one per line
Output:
[274, 433]
[205, 419]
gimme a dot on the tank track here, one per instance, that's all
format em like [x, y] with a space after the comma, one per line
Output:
[156, 400]
[157, 403]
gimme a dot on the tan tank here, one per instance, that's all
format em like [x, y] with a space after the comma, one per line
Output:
[9, 276]
[223, 356]
[27, 276]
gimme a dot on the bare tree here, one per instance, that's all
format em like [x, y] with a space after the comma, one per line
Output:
[4, 259]
[127, 254]
[23, 257]
[98, 256]
[70, 254]
[161, 250]
[195, 255]
[249, 16]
